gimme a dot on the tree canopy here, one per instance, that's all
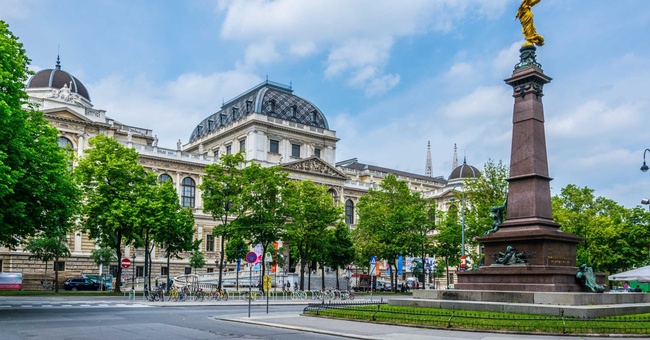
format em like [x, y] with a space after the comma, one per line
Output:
[36, 190]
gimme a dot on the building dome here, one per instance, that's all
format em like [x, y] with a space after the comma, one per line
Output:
[464, 171]
[268, 98]
[57, 79]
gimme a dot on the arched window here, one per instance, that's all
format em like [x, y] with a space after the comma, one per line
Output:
[66, 144]
[164, 178]
[349, 212]
[188, 191]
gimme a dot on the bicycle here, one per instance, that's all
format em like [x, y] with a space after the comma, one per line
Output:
[298, 294]
[255, 296]
[47, 285]
[200, 295]
[173, 294]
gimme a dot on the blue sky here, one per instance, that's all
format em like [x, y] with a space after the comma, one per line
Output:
[389, 75]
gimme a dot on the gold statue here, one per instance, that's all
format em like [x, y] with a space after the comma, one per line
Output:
[525, 15]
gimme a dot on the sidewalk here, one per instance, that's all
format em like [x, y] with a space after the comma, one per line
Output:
[364, 330]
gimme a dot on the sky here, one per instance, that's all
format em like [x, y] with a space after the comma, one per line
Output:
[388, 75]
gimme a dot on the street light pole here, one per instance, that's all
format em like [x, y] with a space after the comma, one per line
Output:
[462, 230]
[644, 167]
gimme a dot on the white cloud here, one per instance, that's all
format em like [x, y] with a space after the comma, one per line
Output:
[17, 9]
[481, 103]
[359, 35]
[172, 109]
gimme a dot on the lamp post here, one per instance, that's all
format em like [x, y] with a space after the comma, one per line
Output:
[645, 167]
[462, 230]
[646, 201]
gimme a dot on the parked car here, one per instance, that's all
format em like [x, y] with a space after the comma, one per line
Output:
[80, 283]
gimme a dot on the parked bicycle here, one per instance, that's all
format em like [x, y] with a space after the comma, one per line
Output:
[218, 295]
[298, 295]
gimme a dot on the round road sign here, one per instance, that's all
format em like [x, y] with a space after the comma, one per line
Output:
[126, 263]
[251, 257]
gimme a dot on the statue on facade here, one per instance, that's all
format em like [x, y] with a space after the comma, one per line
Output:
[201, 149]
[178, 145]
[497, 214]
[525, 16]
[129, 136]
[511, 256]
[155, 141]
[586, 277]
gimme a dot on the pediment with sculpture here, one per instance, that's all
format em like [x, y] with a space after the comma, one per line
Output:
[315, 165]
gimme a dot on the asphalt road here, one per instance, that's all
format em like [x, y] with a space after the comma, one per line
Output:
[86, 318]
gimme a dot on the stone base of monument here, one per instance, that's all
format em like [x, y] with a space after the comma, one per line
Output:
[523, 277]
[537, 303]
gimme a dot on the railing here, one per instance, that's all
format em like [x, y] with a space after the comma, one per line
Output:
[501, 322]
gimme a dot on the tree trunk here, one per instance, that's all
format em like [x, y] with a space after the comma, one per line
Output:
[221, 256]
[322, 279]
[118, 252]
[263, 265]
[337, 279]
[169, 272]
[146, 257]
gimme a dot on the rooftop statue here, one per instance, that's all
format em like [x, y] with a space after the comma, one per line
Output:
[525, 15]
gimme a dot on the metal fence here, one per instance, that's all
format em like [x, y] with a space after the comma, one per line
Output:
[501, 322]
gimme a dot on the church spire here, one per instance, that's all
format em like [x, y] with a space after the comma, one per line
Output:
[428, 171]
[454, 163]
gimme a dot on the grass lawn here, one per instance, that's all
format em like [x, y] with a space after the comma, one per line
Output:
[489, 321]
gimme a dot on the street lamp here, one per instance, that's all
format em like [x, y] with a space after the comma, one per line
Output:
[462, 250]
[646, 201]
[644, 167]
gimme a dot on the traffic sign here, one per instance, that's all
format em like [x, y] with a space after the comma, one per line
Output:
[463, 263]
[126, 263]
[251, 257]
[373, 266]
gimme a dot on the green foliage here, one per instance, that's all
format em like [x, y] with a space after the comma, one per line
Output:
[113, 180]
[481, 194]
[311, 211]
[615, 238]
[222, 187]
[174, 224]
[448, 239]
[341, 249]
[44, 249]
[197, 260]
[261, 199]
[393, 221]
[36, 191]
[103, 256]
[236, 248]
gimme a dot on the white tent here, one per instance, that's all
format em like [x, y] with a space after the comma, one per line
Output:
[640, 274]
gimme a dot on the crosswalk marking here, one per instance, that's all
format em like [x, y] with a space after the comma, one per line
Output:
[77, 305]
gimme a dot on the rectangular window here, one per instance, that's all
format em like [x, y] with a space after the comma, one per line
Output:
[164, 271]
[275, 146]
[113, 270]
[210, 270]
[317, 153]
[223, 119]
[234, 112]
[210, 125]
[188, 270]
[216, 153]
[60, 266]
[229, 150]
[295, 150]
[0, 266]
[242, 145]
[139, 271]
[209, 243]
[249, 106]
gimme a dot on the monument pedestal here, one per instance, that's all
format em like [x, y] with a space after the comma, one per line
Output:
[546, 256]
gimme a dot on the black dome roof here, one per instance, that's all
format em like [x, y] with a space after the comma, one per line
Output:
[464, 171]
[57, 78]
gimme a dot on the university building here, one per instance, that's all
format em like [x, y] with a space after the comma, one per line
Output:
[269, 122]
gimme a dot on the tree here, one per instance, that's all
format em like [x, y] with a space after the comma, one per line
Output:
[615, 238]
[261, 198]
[390, 222]
[310, 210]
[36, 190]
[174, 224]
[488, 190]
[103, 258]
[113, 180]
[448, 239]
[46, 249]
[340, 249]
[222, 186]
[197, 260]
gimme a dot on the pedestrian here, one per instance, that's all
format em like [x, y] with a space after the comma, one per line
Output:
[626, 286]
[295, 286]
[637, 289]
